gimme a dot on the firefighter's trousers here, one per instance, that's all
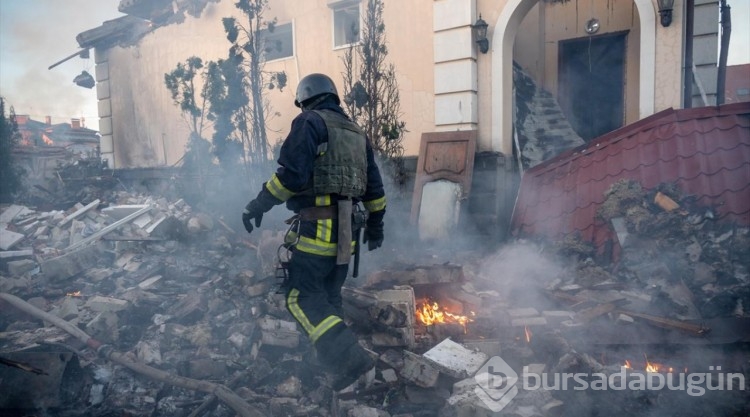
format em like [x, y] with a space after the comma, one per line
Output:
[313, 297]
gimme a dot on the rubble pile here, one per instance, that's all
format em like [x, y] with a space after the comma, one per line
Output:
[675, 259]
[183, 292]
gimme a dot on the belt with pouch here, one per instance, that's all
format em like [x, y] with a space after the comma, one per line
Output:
[319, 213]
[341, 210]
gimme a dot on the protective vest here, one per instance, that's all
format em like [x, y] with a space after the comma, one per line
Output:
[341, 165]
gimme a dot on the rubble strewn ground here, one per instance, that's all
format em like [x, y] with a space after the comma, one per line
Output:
[182, 291]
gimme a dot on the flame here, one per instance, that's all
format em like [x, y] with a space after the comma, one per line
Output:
[74, 294]
[430, 313]
[528, 333]
[652, 366]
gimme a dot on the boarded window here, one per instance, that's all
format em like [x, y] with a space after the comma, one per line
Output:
[279, 43]
[345, 23]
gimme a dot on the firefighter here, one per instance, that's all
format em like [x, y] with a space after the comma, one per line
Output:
[327, 167]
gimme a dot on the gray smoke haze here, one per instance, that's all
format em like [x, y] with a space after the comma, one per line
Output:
[33, 36]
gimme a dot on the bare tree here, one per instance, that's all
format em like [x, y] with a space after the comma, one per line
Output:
[371, 94]
[247, 51]
[232, 98]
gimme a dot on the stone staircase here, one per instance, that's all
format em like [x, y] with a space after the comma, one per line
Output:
[541, 129]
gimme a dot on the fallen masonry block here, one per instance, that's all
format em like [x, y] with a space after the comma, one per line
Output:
[393, 358]
[290, 387]
[8, 239]
[395, 337]
[167, 227]
[399, 302]
[148, 352]
[467, 298]
[419, 370]
[104, 327]
[143, 220]
[389, 375]
[16, 253]
[190, 308]
[72, 263]
[20, 267]
[557, 316]
[207, 368]
[430, 274]
[473, 403]
[394, 309]
[490, 347]
[464, 386]
[31, 226]
[276, 332]
[259, 288]
[68, 309]
[12, 212]
[455, 360]
[40, 232]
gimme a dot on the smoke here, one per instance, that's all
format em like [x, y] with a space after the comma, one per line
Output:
[33, 36]
[520, 271]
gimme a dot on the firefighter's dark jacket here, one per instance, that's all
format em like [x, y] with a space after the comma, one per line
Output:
[293, 178]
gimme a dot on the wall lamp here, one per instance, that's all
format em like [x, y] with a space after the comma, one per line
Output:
[84, 79]
[480, 32]
[665, 11]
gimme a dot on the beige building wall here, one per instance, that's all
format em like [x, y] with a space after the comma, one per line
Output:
[149, 130]
[530, 42]
[445, 83]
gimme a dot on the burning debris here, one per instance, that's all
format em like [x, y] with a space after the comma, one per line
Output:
[175, 291]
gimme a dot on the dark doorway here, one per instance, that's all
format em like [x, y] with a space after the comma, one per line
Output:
[591, 83]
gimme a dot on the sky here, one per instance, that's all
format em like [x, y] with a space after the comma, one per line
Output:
[35, 34]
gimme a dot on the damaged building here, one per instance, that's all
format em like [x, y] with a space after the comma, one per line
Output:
[573, 208]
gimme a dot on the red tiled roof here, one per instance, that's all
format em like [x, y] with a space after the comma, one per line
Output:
[704, 151]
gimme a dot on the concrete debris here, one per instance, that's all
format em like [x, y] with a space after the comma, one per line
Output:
[178, 288]
[9, 239]
[419, 370]
[279, 332]
[455, 360]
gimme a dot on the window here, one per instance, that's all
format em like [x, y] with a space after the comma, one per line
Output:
[345, 23]
[279, 43]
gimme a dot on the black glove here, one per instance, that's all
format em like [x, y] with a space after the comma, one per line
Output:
[256, 208]
[252, 211]
[374, 231]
